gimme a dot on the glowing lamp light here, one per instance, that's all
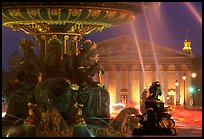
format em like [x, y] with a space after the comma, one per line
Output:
[184, 77]
[176, 83]
[191, 89]
[193, 75]
[3, 114]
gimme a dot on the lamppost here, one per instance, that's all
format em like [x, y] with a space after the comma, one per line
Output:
[193, 92]
[184, 79]
[178, 101]
[193, 75]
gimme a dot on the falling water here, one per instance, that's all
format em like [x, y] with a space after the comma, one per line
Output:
[140, 57]
[193, 10]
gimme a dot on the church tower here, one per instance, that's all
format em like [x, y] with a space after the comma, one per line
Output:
[187, 44]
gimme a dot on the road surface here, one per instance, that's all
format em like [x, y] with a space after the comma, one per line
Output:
[188, 123]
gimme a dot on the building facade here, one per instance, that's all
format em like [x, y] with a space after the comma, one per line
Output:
[130, 67]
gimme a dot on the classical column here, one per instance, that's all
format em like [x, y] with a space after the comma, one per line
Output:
[178, 95]
[153, 73]
[118, 84]
[165, 68]
[188, 84]
[141, 81]
[106, 77]
[129, 83]
[142, 84]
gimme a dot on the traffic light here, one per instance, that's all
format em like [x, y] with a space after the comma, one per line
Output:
[191, 90]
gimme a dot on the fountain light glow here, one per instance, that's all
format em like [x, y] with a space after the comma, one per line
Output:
[193, 10]
[139, 53]
[152, 42]
[153, 48]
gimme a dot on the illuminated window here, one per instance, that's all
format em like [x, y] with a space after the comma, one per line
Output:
[124, 99]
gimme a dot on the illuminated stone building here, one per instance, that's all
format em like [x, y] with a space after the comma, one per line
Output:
[124, 77]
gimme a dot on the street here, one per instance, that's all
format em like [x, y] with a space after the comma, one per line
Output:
[188, 122]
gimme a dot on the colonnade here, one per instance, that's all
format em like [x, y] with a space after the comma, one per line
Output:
[179, 90]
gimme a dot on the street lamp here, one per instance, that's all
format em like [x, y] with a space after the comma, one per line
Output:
[178, 101]
[193, 75]
[176, 83]
[193, 90]
[184, 78]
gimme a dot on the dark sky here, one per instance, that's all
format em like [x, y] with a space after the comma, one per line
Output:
[168, 24]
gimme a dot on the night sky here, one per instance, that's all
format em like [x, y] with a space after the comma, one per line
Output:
[168, 29]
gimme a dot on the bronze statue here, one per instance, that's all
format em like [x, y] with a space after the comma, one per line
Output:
[30, 63]
[65, 82]
[53, 59]
[145, 95]
[21, 87]
[90, 92]
[157, 119]
[85, 68]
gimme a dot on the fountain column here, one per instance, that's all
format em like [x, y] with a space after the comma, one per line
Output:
[41, 45]
[118, 84]
[165, 74]
[70, 46]
[66, 37]
[129, 83]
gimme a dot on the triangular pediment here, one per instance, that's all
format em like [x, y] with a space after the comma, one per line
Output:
[126, 46]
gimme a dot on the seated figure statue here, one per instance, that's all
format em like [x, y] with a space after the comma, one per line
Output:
[21, 86]
[30, 63]
[64, 90]
[93, 96]
[53, 59]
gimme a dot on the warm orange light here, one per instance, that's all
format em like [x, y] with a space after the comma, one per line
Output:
[3, 114]
[181, 119]
[193, 75]
[184, 76]
[176, 83]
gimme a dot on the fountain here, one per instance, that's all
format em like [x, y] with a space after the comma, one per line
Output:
[53, 93]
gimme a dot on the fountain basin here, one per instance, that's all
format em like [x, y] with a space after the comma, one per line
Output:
[68, 17]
